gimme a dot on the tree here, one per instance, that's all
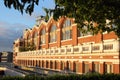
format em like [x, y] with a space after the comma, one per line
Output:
[22, 5]
[104, 13]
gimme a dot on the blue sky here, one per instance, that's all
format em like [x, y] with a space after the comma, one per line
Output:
[12, 22]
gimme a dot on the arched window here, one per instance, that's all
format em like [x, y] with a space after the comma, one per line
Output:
[42, 37]
[66, 30]
[53, 34]
[28, 39]
[35, 38]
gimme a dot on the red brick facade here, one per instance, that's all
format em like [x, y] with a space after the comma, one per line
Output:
[99, 53]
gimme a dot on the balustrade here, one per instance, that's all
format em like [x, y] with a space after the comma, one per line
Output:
[79, 49]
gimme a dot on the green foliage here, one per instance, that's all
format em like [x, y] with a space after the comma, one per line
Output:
[111, 77]
[33, 77]
[74, 77]
[93, 76]
[92, 11]
[48, 14]
[57, 77]
[29, 47]
[21, 5]
[12, 78]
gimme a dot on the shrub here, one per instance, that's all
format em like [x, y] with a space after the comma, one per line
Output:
[92, 76]
[12, 78]
[110, 76]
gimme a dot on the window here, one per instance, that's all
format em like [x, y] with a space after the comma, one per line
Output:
[74, 67]
[77, 66]
[42, 37]
[21, 43]
[108, 47]
[96, 67]
[51, 64]
[67, 23]
[55, 65]
[85, 48]
[94, 48]
[43, 64]
[67, 30]
[86, 68]
[53, 34]
[62, 65]
[67, 66]
[47, 64]
[35, 38]
[76, 49]
[28, 39]
[108, 68]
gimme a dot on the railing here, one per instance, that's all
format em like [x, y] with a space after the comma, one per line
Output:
[110, 46]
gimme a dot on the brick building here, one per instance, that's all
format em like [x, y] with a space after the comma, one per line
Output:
[59, 45]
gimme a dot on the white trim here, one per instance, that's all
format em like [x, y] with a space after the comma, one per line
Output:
[109, 40]
[116, 57]
[74, 24]
[43, 44]
[52, 42]
[66, 40]
[85, 36]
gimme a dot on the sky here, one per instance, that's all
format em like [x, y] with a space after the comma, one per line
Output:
[13, 23]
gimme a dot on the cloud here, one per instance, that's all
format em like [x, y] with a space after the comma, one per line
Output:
[9, 33]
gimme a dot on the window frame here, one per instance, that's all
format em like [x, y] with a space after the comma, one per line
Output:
[53, 34]
[35, 38]
[67, 30]
[42, 36]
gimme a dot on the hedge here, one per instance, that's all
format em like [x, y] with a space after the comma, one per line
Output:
[67, 77]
